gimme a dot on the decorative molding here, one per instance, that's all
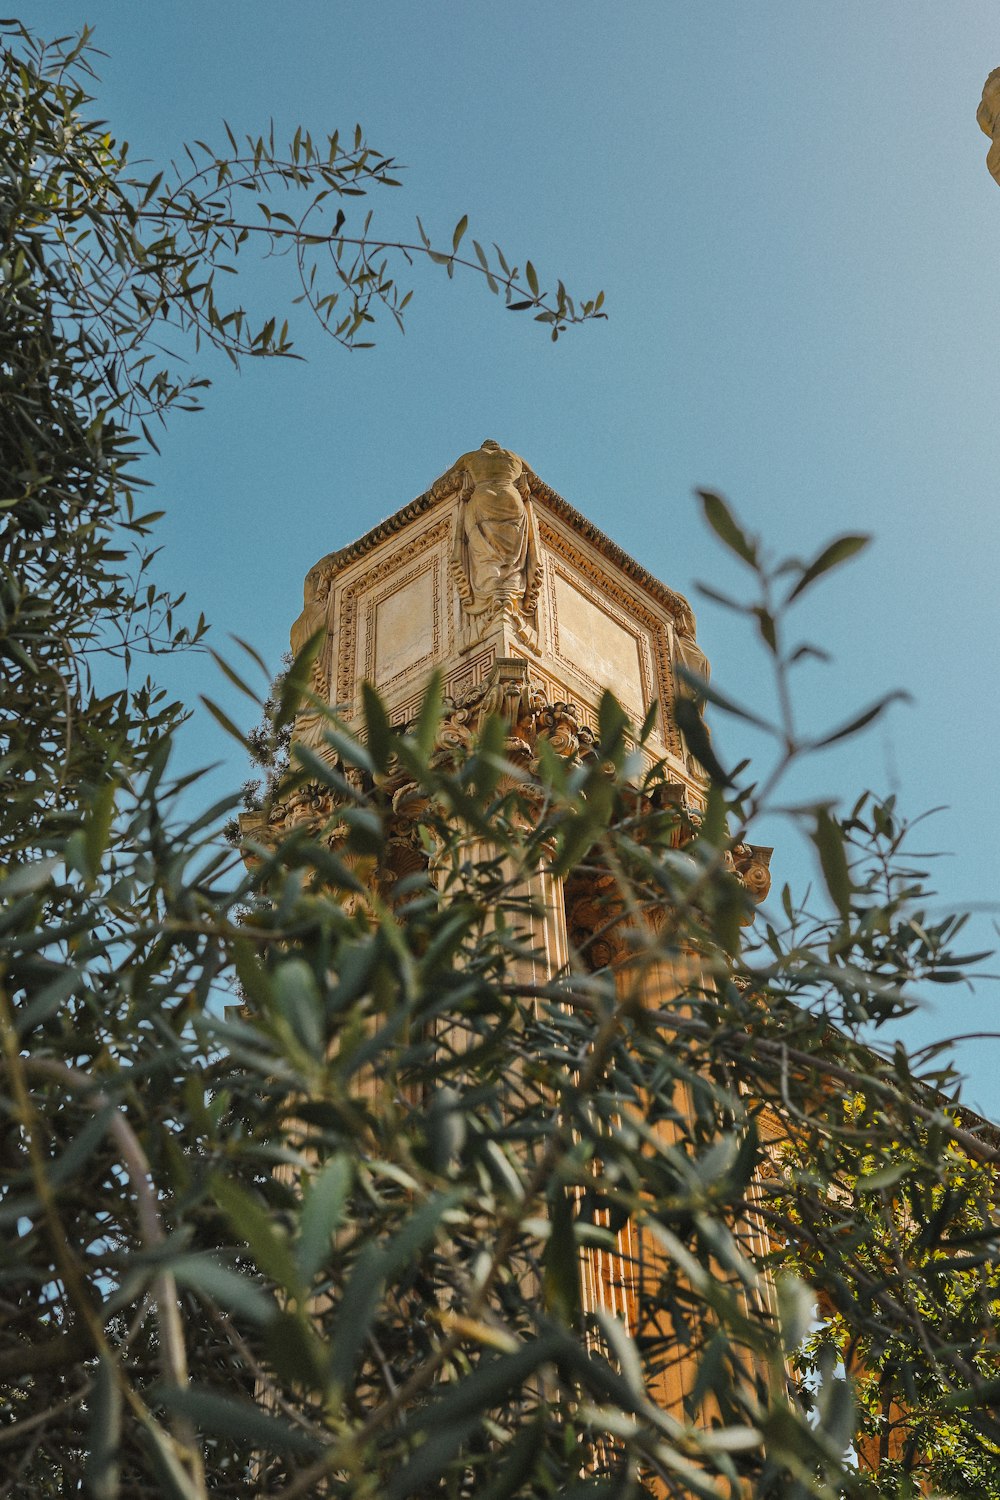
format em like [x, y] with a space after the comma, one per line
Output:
[547, 499]
[349, 596]
[619, 617]
[472, 671]
[612, 591]
[397, 584]
[675, 604]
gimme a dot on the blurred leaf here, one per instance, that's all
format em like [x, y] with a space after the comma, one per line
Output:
[297, 998]
[322, 1213]
[723, 523]
[268, 1245]
[519, 1460]
[561, 1261]
[796, 1311]
[868, 716]
[379, 732]
[103, 1433]
[242, 1421]
[296, 680]
[230, 1288]
[884, 1177]
[829, 842]
[692, 727]
[28, 878]
[832, 555]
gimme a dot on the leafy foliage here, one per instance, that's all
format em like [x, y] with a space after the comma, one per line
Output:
[342, 1236]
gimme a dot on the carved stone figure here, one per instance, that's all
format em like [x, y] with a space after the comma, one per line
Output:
[690, 656]
[494, 559]
[988, 115]
[315, 602]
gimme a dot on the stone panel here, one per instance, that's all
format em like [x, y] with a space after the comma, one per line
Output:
[404, 628]
[393, 648]
[589, 637]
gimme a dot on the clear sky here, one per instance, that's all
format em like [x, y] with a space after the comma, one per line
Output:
[788, 208]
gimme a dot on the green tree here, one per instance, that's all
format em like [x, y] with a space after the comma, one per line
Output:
[329, 1241]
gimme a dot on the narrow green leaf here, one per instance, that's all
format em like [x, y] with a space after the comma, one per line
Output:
[429, 716]
[486, 1386]
[244, 1422]
[692, 727]
[175, 1482]
[298, 1000]
[623, 1350]
[838, 551]
[432, 1459]
[268, 1245]
[861, 720]
[322, 1214]
[296, 680]
[231, 1289]
[27, 878]
[984, 1394]
[97, 827]
[227, 724]
[612, 722]
[702, 688]
[829, 841]
[796, 1311]
[649, 722]
[46, 1001]
[884, 1177]
[561, 1261]
[460, 229]
[234, 676]
[723, 523]
[101, 1474]
[519, 1460]
[380, 736]
[355, 1315]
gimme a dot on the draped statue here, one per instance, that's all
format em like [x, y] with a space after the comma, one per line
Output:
[988, 115]
[310, 721]
[494, 559]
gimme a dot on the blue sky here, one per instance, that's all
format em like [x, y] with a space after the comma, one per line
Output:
[787, 206]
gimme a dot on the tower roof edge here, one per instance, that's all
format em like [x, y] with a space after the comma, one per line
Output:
[542, 494]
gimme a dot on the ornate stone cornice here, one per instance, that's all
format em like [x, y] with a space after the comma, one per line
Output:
[543, 495]
[674, 603]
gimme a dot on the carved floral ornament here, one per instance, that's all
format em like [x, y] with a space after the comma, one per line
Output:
[531, 717]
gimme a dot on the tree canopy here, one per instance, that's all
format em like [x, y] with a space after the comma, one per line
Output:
[303, 1162]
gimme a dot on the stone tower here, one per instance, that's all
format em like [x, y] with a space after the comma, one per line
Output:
[491, 576]
[524, 608]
